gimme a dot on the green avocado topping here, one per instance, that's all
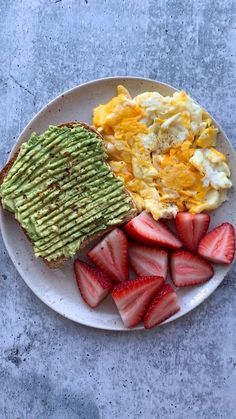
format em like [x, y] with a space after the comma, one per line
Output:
[62, 191]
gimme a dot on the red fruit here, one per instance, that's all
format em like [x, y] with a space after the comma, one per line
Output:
[111, 255]
[133, 297]
[146, 260]
[162, 307]
[189, 269]
[93, 284]
[145, 229]
[191, 228]
[218, 245]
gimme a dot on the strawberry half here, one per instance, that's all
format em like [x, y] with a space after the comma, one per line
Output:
[191, 228]
[218, 245]
[133, 297]
[162, 307]
[189, 269]
[111, 255]
[93, 284]
[145, 229]
[146, 260]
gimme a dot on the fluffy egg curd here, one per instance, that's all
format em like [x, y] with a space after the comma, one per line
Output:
[163, 147]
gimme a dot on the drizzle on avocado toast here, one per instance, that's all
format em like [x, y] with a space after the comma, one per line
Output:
[62, 192]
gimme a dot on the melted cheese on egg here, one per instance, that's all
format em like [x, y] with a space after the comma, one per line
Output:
[163, 149]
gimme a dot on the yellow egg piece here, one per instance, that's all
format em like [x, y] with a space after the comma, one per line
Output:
[207, 138]
[215, 156]
[178, 176]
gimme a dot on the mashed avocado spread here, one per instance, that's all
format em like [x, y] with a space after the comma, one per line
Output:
[62, 191]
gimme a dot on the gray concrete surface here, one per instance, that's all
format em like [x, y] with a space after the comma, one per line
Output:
[49, 366]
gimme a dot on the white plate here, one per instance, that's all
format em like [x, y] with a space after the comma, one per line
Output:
[57, 288]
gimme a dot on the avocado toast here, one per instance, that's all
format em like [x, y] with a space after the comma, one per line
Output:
[62, 191]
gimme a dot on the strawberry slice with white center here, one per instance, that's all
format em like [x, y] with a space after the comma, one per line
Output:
[145, 229]
[111, 255]
[93, 284]
[189, 269]
[218, 245]
[133, 297]
[191, 228]
[146, 260]
[163, 306]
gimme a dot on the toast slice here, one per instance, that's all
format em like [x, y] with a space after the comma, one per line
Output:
[62, 213]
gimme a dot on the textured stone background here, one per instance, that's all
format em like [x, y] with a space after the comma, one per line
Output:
[50, 367]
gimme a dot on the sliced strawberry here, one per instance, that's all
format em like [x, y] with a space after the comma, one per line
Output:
[191, 228]
[146, 260]
[218, 245]
[145, 229]
[93, 284]
[189, 269]
[162, 307]
[133, 297]
[111, 255]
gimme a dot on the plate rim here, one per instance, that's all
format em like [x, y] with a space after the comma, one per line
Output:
[11, 254]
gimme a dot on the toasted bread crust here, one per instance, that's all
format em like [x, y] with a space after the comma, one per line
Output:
[8, 166]
[59, 262]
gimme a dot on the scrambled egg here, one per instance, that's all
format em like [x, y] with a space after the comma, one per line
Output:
[163, 149]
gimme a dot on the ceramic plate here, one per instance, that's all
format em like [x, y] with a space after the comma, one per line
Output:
[57, 288]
